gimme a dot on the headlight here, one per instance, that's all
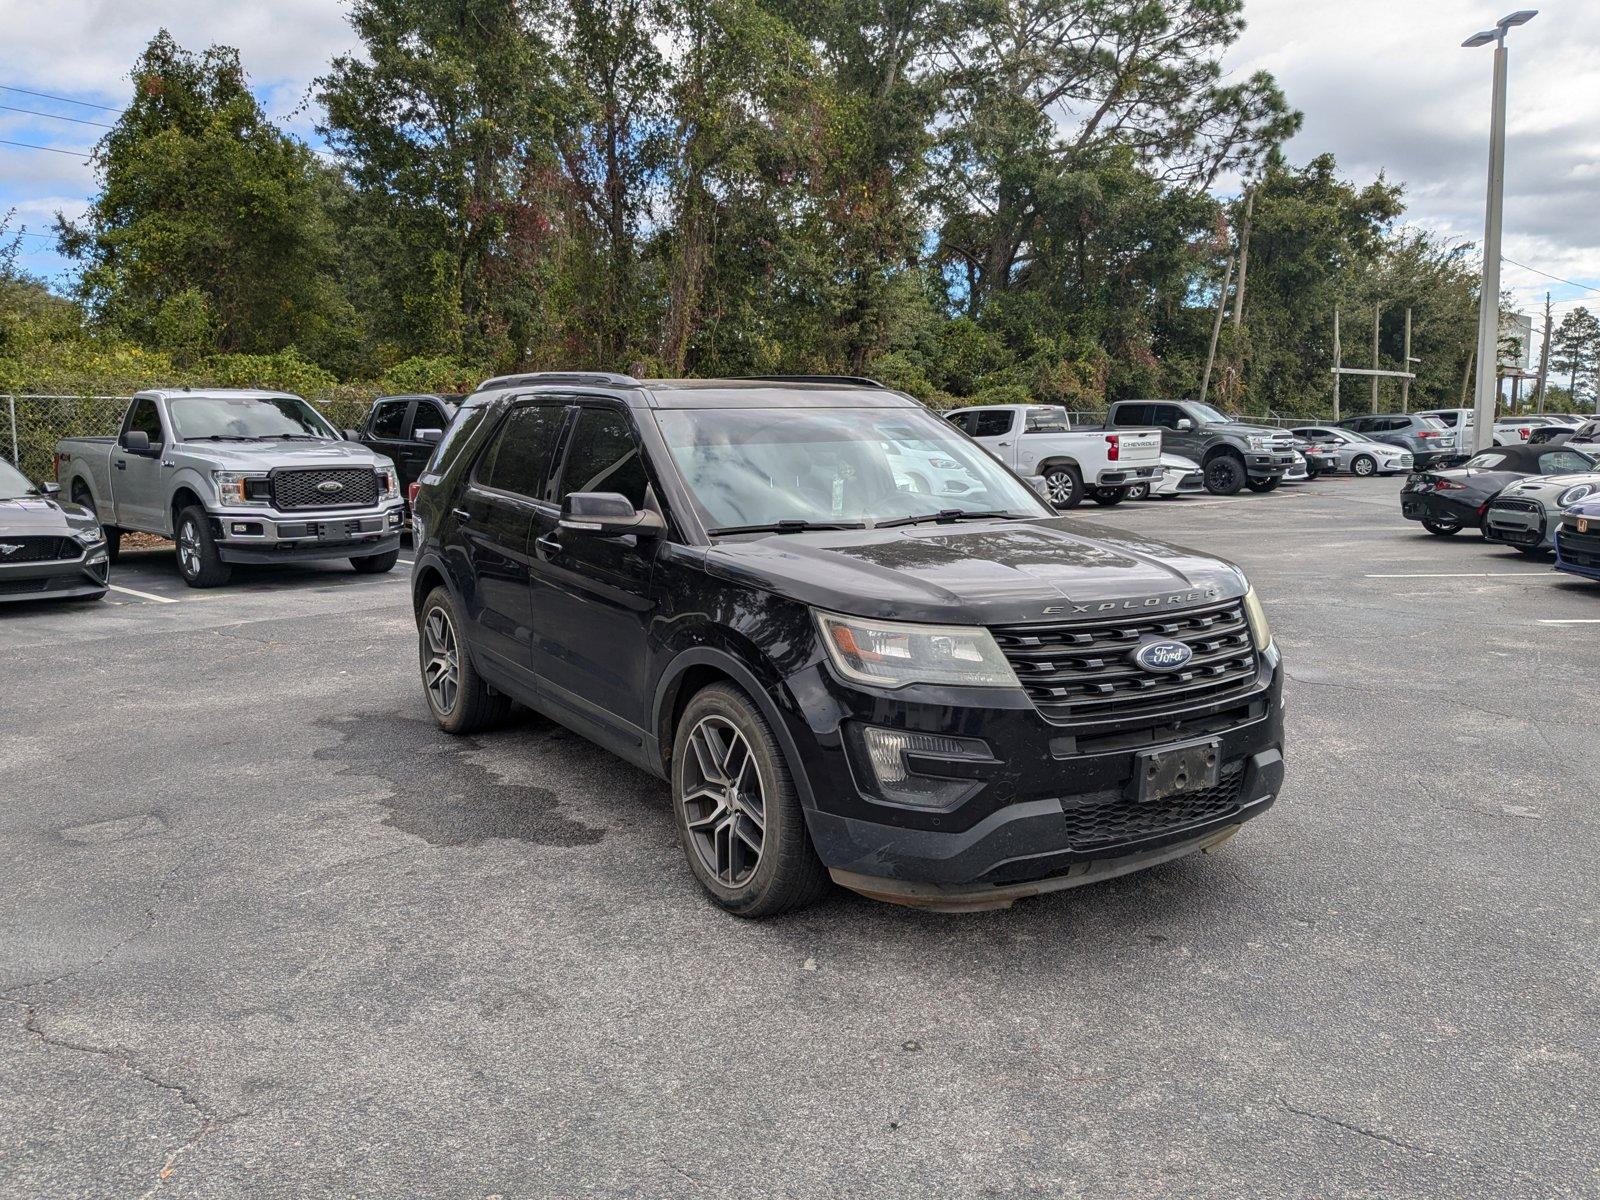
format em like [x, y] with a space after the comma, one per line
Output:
[891, 654]
[235, 487]
[1260, 443]
[1573, 494]
[90, 537]
[1257, 617]
[388, 485]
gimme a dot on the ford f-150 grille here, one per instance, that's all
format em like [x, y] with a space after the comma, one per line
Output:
[1087, 673]
[324, 487]
[37, 549]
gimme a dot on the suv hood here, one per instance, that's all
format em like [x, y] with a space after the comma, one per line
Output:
[983, 573]
[247, 456]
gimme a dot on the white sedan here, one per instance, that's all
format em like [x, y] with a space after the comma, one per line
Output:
[1179, 477]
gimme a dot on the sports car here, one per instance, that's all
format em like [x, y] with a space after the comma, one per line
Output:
[1578, 539]
[1526, 513]
[1450, 499]
[47, 549]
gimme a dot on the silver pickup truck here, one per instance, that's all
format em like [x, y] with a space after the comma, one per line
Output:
[236, 477]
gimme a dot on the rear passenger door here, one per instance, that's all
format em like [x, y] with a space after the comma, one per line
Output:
[593, 599]
[386, 427]
[494, 520]
[995, 430]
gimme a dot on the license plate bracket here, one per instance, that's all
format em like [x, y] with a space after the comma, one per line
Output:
[1191, 767]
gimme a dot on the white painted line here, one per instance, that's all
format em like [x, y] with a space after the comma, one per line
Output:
[1574, 621]
[1458, 574]
[142, 595]
[405, 562]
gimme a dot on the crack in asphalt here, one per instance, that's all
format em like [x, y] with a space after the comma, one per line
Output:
[208, 1122]
[1350, 1127]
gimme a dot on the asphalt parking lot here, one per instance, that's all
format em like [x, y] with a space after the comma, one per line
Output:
[264, 931]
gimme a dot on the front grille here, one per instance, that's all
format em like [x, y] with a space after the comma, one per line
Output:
[1107, 822]
[1086, 673]
[358, 487]
[37, 549]
[1515, 535]
[1579, 549]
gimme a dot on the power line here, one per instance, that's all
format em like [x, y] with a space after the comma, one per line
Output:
[55, 116]
[1588, 287]
[5, 87]
[51, 149]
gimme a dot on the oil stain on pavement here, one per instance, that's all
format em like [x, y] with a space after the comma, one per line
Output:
[440, 794]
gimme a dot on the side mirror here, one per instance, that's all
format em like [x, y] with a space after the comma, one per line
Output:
[136, 441]
[607, 514]
[1184, 425]
[428, 437]
[50, 489]
[350, 435]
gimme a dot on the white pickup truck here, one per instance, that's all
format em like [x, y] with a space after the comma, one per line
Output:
[1037, 441]
[236, 477]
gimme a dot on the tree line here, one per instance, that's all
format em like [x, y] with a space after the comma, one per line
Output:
[969, 199]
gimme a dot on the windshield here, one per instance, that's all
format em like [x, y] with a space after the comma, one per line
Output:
[759, 466]
[246, 418]
[1206, 413]
[13, 483]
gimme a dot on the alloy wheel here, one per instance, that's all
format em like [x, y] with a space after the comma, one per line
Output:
[441, 673]
[724, 803]
[189, 549]
[1059, 485]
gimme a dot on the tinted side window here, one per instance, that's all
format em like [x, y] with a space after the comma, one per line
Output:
[962, 421]
[604, 457]
[519, 458]
[429, 416]
[1133, 414]
[994, 423]
[143, 416]
[1164, 415]
[389, 419]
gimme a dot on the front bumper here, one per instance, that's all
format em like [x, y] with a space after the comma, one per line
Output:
[1268, 465]
[1518, 523]
[58, 579]
[1180, 483]
[1054, 807]
[1579, 552]
[264, 535]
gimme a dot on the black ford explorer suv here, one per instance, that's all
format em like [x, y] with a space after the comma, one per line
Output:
[942, 700]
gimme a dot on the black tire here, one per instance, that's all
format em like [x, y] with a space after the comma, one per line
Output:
[1440, 528]
[1063, 486]
[1225, 475]
[786, 873]
[198, 561]
[469, 705]
[83, 496]
[1364, 465]
[1264, 485]
[1108, 496]
[376, 564]
[1139, 491]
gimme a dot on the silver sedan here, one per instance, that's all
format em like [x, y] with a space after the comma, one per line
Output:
[1525, 513]
[1358, 455]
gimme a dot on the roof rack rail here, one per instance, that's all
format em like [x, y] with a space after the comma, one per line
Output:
[608, 378]
[857, 380]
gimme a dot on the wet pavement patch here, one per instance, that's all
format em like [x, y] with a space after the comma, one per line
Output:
[440, 794]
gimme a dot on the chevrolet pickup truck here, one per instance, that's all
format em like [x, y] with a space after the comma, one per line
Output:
[236, 477]
[1038, 441]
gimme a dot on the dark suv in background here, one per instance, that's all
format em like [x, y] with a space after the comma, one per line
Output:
[946, 700]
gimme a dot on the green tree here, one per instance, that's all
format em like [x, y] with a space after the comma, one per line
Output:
[1575, 351]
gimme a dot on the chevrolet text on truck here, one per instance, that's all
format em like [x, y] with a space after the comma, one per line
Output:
[236, 477]
[947, 696]
[1038, 441]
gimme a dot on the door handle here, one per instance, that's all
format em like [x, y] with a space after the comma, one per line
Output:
[122, 464]
[1004, 443]
[547, 544]
[464, 515]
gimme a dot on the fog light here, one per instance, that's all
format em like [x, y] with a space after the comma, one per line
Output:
[887, 751]
[394, 520]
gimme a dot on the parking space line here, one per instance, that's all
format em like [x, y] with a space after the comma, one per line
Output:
[1459, 574]
[127, 591]
[1572, 621]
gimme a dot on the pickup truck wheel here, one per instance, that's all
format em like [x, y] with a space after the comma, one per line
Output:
[376, 564]
[1363, 465]
[1108, 496]
[1263, 485]
[198, 560]
[82, 496]
[738, 815]
[1224, 476]
[458, 697]
[1064, 486]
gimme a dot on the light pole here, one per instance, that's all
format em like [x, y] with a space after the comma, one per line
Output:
[1488, 383]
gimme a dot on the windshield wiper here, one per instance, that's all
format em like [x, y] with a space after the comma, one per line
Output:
[226, 437]
[787, 527]
[301, 437]
[945, 515]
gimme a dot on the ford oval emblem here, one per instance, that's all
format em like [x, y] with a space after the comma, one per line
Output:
[330, 486]
[1162, 656]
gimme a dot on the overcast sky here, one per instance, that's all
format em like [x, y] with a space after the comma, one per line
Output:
[1383, 84]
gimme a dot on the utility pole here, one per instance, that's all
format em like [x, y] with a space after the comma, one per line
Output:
[1375, 312]
[1337, 363]
[1405, 384]
[1244, 257]
[1488, 385]
[1544, 355]
[1216, 328]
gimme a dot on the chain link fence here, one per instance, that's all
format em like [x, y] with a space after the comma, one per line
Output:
[31, 425]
